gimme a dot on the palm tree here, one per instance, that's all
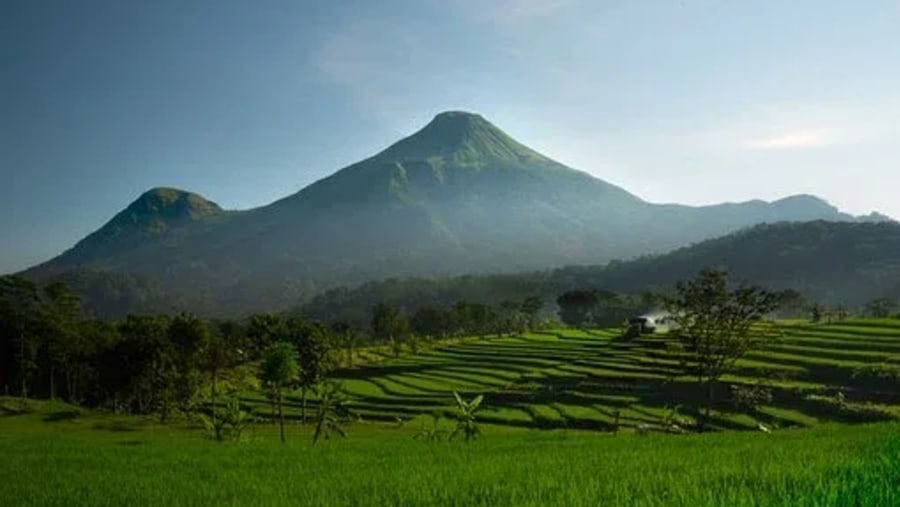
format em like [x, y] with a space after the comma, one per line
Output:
[279, 369]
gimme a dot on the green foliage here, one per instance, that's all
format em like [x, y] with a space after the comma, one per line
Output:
[279, 370]
[466, 423]
[717, 326]
[228, 422]
[815, 313]
[880, 308]
[332, 413]
[433, 432]
[389, 323]
[279, 366]
[313, 353]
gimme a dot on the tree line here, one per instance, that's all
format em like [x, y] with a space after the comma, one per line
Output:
[143, 364]
[165, 364]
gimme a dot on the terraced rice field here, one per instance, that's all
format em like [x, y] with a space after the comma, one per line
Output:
[573, 379]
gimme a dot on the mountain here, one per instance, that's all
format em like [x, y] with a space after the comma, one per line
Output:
[828, 262]
[459, 196]
[153, 215]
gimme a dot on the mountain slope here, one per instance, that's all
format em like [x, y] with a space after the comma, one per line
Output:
[459, 196]
[829, 262]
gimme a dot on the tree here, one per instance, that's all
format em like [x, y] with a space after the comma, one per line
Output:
[531, 307]
[137, 369]
[313, 354]
[610, 309]
[263, 330]
[717, 325]
[880, 308]
[190, 338]
[389, 323]
[219, 352]
[576, 307]
[791, 303]
[61, 322]
[21, 308]
[348, 336]
[509, 318]
[429, 322]
[815, 313]
[279, 370]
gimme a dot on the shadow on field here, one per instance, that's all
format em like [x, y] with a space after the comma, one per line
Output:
[62, 415]
[115, 426]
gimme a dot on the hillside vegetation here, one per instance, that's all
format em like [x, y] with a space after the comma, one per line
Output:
[827, 262]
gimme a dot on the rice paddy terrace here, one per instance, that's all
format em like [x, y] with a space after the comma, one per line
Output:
[842, 372]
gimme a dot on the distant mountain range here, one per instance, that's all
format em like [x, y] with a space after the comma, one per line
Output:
[459, 196]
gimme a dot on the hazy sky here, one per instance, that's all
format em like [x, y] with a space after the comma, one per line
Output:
[686, 101]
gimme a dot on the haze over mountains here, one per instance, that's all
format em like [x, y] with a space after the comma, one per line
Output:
[459, 196]
[830, 263]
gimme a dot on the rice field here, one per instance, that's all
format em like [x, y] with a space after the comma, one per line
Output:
[91, 459]
[571, 379]
[561, 414]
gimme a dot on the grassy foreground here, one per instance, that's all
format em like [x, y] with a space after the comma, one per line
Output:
[57, 457]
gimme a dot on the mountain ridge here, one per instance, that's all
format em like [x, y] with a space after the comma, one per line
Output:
[457, 196]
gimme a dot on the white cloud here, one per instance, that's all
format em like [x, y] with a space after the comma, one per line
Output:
[793, 140]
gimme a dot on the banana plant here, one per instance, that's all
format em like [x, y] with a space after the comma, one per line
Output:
[434, 433]
[465, 417]
[332, 413]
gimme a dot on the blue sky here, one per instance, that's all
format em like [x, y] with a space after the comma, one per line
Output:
[245, 102]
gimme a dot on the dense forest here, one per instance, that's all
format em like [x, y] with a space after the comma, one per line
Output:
[829, 263]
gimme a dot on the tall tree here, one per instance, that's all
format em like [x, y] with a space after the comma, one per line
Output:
[880, 308]
[279, 370]
[20, 304]
[190, 337]
[62, 337]
[389, 323]
[791, 303]
[717, 325]
[313, 355]
[429, 322]
[137, 369]
[576, 307]
[347, 336]
[220, 350]
[531, 307]
[263, 330]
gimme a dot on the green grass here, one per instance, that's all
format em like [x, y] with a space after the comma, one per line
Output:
[97, 460]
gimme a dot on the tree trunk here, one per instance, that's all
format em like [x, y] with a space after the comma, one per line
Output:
[70, 385]
[52, 382]
[303, 404]
[22, 371]
[708, 408]
[281, 414]
[213, 395]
